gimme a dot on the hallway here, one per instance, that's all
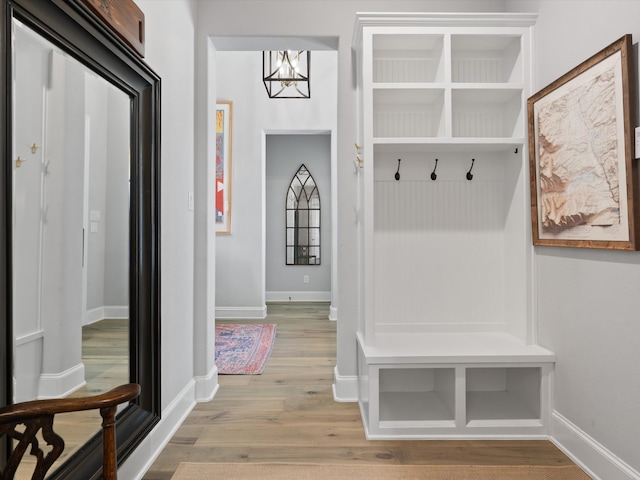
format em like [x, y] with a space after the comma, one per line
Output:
[288, 414]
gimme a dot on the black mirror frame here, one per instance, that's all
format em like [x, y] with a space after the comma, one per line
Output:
[73, 27]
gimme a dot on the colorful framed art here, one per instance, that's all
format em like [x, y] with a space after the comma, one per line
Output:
[223, 167]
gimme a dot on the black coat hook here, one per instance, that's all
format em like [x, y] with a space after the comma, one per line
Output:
[469, 174]
[433, 174]
[398, 171]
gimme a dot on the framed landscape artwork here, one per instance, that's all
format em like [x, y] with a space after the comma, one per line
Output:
[223, 167]
[583, 172]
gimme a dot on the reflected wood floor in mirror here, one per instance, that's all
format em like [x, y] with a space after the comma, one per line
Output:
[105, 354]
[288, 414]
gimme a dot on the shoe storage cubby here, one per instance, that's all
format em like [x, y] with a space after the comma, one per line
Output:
[503, 394]
[410, 394]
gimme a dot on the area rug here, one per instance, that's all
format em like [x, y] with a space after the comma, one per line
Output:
[243, 349]
[280, 471]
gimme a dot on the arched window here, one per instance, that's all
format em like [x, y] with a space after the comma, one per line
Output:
[303, 220]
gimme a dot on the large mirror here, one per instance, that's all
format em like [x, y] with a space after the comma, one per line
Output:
[70, 219]
[80, 211]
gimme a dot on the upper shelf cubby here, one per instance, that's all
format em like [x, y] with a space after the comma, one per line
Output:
[410, 58]
[408, 112]
[486, 59]
[486, 113]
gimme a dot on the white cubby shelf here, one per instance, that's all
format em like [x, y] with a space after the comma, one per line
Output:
[454, 385]
[446, 330]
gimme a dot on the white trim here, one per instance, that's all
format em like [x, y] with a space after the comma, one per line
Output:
[206, 385]
[335, 271]
[94, 315]
[437, 19]
[141, 459]
[60, 385]
[417, 328]
[106, 311]
[345, 388]
[298, 296]
[241, 312]
[595, 459]
[29, 337]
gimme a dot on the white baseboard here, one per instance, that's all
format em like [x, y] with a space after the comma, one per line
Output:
[333, 313]
[596, 460]
[60, 385]
[241, 312]
[207, 386]
[345, 388]
[298, 296]
[106, 311]
[141, 459]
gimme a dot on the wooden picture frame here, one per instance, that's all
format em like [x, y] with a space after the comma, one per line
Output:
[583, 172]
[222, 187]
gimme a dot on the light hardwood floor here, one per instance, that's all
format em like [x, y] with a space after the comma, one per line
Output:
[288, 414]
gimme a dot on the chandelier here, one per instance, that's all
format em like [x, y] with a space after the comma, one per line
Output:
[286, 73]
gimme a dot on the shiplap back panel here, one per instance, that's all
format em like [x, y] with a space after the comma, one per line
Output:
[404, 69]
[481, 69]
[439, 256]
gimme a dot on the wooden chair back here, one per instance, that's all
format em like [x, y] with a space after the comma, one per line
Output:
[38, 415]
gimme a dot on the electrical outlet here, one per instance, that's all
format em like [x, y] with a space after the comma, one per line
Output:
[306, 279]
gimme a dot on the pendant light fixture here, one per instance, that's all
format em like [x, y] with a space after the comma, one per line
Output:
[286, 73]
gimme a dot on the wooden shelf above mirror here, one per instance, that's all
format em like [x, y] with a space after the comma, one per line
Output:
[124, 18]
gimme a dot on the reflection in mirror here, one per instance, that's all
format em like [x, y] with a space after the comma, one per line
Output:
[303, 220]
[71, 151]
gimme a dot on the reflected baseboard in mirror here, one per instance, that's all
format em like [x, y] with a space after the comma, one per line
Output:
[81, 36]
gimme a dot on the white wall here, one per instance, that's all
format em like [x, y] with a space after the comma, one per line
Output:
[30, 69]
[107, 254]
[97, 108]
[61, 285]
[587, 300]
[116, 216]
[240, 256]
[170, 53]
[284, 155]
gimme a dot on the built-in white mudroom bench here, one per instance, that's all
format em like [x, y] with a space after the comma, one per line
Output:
[446, 333]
